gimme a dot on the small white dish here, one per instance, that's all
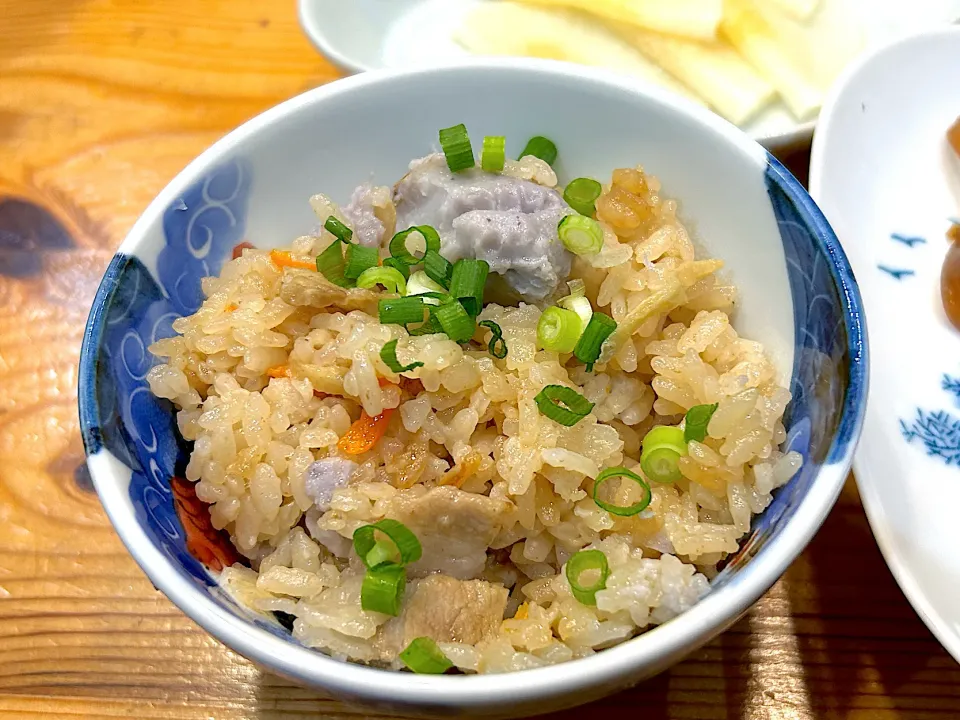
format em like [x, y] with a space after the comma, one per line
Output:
[363, 35]
[886, 179]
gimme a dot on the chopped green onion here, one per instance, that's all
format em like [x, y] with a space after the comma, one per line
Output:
[437, 268]
[382, 589]
[542, 148]
[424, 657]
[431, 326]
[581, 306]
[456, 147]
[330, 264]
[580, 235]
[401, 311]
[398, 265]
[663, 447]
[577, 406]
[585, 561]
[398, 244]
[576, 287]
[391, 279]
[493, 156]
[697, 419]
[497, 345]
[339, 230]
[581, 194]
[359, 258]
[388, 353]
[383, 553]
[559, 330]
[455, 321]
[623, 511]
[421, 285]
[467, 282]
[598, 329]
[407, 545]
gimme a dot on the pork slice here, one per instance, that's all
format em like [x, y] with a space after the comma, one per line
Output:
[447, 610]
[454, 527]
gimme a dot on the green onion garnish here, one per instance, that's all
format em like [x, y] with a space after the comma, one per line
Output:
[598, 329]
[697, 419]
[398, 244]
[401, 311]
[581, 306]
[542, 148]
[585, 561]
[391, 279]
[559, 330]
[467, 282]
[406, 544]
[431, 326]
[623, 511]
[581, 194]
[580, 234]
[398, 265]
[359, 258]
[383, 553]
[388, 353]
[424, 657]
[494, 153]
[339, 230]
[455, 321]
[497, 345]
[456, 147]
[421, 284]
[663, 447]
[330, 264]
[382, 589]
[577, 406]
[437, 268]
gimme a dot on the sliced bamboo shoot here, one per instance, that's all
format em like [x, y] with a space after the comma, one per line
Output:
[507, 28]
[771, 55]
[713, 70]
[699, 19]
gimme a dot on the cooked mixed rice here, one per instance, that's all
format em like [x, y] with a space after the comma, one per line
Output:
[280, 372]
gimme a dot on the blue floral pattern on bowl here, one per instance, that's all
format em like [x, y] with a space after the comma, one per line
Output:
[137, 305]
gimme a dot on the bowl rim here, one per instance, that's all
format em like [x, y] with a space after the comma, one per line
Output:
[644, 655]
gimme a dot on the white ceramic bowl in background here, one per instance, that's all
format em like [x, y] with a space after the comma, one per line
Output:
[365, 35]
[797, 295]
[885, 177]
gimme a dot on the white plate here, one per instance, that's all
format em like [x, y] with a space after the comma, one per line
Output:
[361, 35]
[885, 178]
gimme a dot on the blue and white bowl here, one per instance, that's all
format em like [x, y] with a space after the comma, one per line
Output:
[798, 296]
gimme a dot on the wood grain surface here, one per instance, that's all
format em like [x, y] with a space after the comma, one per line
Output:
[101, 103]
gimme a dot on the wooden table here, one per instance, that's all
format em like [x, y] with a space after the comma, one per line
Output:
[101, 103]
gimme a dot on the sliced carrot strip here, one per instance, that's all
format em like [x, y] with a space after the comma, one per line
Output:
[279, 371]
[231, 307]
[365, 433]
[281, 258]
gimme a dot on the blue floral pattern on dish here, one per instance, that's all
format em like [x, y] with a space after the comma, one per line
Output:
[937, 431]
